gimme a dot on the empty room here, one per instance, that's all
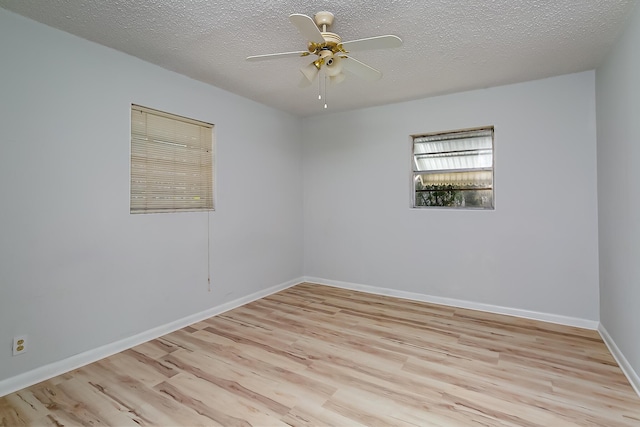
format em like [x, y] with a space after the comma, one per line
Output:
[272, 213]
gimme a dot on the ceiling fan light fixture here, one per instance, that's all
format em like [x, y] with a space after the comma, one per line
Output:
[325, 55]
[310, 71]
[333, 66]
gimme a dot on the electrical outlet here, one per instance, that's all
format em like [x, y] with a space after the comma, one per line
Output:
[19, 345]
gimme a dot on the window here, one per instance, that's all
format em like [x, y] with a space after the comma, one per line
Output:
[453, 169]
[171, 163]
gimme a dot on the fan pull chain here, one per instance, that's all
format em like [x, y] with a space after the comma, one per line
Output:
[319, 88]
[325, 91]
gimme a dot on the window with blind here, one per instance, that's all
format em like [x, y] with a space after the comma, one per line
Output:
[453, 169]
[171, 163]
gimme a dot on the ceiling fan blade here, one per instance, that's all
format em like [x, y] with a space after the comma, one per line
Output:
[378, 42]
[360, 69]
[277, 55]
[307, 27]
[334, 80]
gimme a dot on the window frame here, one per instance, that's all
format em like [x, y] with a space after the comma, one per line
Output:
[414, 172]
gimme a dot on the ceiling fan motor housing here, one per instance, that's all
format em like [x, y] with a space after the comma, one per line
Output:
[332, 43]
[331, 38]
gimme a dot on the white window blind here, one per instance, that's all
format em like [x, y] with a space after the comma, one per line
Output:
[171, 163]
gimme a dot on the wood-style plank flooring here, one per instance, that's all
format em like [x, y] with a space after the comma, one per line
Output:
[316, 355]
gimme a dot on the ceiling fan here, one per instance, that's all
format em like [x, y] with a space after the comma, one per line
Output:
[333, 55]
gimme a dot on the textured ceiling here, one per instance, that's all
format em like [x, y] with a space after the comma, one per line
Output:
[449, 45]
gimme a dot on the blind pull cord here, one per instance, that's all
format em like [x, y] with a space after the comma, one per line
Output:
[209, 251]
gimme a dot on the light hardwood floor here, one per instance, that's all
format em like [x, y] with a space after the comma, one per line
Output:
[316, 355]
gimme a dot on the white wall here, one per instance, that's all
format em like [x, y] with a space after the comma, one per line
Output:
[77, 271]
[536, 251]
[618, 107]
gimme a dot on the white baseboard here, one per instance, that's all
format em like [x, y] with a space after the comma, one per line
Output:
[624, 364]
[51, 370]
[527, 314]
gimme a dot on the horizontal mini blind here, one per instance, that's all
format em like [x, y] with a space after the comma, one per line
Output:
[462, 159]
[171, 163]
[455, 151]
